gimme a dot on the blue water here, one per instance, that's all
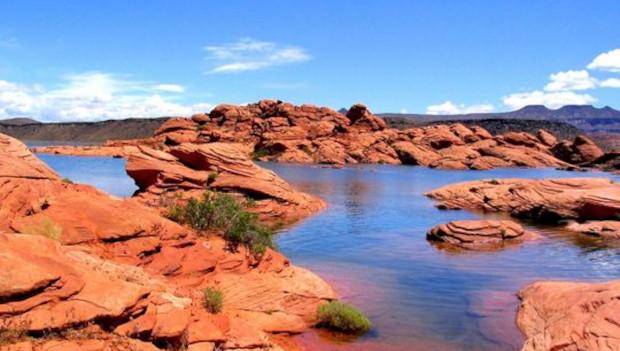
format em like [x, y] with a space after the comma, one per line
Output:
[370, 244]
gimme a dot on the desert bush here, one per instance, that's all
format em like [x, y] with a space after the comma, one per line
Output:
[343, 318]
[67, 180]
[213, 300]
[221, 211]
[45, 227]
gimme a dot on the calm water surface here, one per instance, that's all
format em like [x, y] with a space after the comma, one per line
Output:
[370, 244]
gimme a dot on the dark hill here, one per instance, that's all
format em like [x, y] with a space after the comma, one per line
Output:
[84, 132]
[17, 121]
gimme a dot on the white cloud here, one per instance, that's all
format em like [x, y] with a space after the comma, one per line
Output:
[171, 88]
[250, 55]
[607, 61]
[91, 96]
[449, 108]
[403, 110]
[549, 99]
[611, 83]
[571, 80]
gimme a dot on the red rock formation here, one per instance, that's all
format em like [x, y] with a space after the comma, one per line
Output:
[570, 316]
[104, 150]
[94, 272]
[605, 229]
[479, 234]
[192, 168]
[580, 150]
[546, 200]
[283, 132]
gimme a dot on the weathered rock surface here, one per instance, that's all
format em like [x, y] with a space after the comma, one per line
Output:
[103, 150]
[570, 316]
[16, 161]
[605, 229]
[548, 199]
[282, 132]
[189, 169]
[84, 271]
[479, 234]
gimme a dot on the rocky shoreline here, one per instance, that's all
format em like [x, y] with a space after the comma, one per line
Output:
[90, 271]
[282, 132]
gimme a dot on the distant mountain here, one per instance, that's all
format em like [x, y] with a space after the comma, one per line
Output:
[18, 121]
[585, 117]
[82, 132]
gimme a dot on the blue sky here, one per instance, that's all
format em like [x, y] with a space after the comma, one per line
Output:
[84, 60]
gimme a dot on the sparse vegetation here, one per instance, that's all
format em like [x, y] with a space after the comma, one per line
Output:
[45, 227]
[219, 211]
[260, 153]
[67, 180]
[343, 318]
[212, 177]
[213, 300]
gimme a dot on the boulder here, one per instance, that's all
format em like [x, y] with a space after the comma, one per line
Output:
[478, 234]
[581, 150]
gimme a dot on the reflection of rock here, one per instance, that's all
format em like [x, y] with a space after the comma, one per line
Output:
[93, 272]
[479, 234]
[570, 316]
[189, 168]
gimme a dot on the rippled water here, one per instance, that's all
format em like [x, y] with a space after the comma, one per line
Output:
[370, 244]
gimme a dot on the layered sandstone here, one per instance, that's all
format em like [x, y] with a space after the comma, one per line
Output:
[549, 200]
[82, 270]
[282, 132]
[189, 169]
[570, 316]
[478, 234]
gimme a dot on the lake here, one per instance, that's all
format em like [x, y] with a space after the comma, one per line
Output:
[370, 245]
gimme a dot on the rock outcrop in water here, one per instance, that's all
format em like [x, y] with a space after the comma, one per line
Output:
[188, 169]
[282, 132]
[570, 316]
[83, 270]
[549, 200]
[478, 234]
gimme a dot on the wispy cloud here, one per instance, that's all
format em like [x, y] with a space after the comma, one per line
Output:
[93, 96]
[171, 88]
[450, 108]
[607, 61]
[250, 55]
[611, 83]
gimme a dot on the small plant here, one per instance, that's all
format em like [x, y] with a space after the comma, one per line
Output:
[343, 318]
[212, 177]
[306, 149]
[222, 212]
[67, 180]
[494, 182]
[213, 300]
[45, 227]
[260, 153]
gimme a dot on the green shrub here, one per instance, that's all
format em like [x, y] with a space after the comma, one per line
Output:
[343, 318]
[222, 212]
[212, 177]
[67, 180]
[260, 153]
[213, 300]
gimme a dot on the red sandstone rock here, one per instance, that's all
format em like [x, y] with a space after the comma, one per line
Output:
[546, 138]
[188, 167]
[107, 151]
[551, 199]
[605, 229]
[570, 316]
[581, 150]
[282, 132]
[17, 161]
[479, 234]
[129, 270]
